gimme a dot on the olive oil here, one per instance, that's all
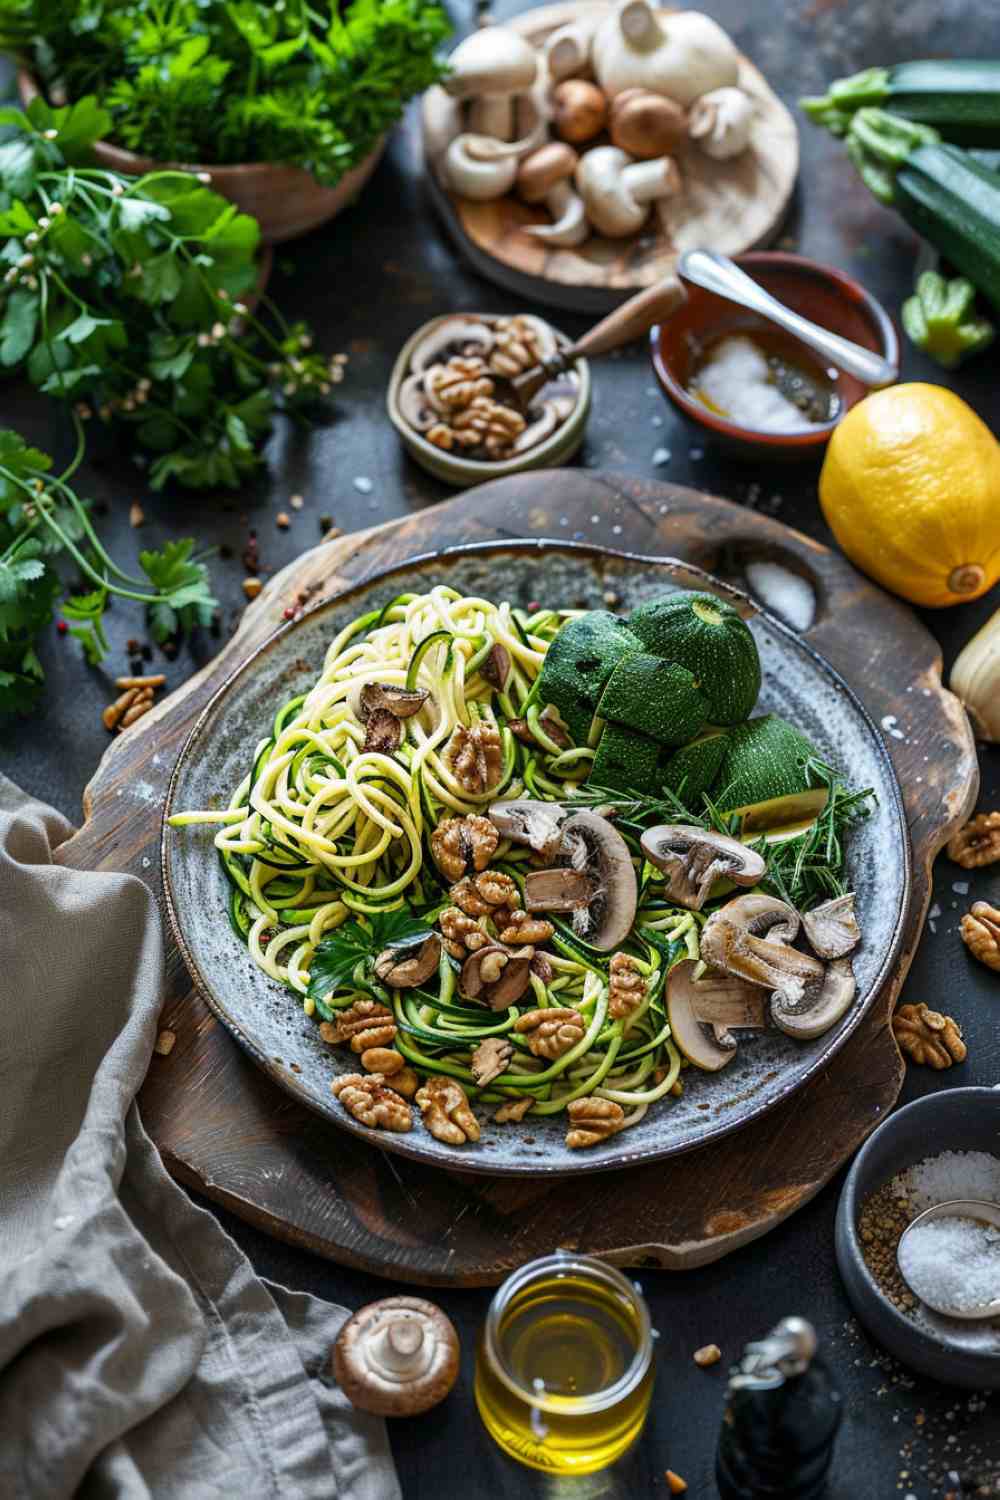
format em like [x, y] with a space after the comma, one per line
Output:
[564, 1372]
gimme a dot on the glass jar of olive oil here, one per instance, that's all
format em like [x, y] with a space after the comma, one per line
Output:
[564, 1370]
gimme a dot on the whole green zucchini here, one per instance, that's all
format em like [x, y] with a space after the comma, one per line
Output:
[959, 97]
[947, 196]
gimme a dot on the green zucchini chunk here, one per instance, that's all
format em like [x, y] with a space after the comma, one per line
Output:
[690, 771]
[579, 662]
[659, 698]
[767, 775]
[708, 637]
[626, 761]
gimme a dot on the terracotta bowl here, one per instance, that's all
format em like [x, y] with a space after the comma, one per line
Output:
[285, 201]
[818, 292]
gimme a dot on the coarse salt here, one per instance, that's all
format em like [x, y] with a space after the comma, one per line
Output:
[787, 593]
[952, 1262]
[952, 1174]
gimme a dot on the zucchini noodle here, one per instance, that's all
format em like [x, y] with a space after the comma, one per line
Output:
[321, 831]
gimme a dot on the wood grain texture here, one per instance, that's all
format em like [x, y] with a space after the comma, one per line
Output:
[225, 1129]
[730, 206]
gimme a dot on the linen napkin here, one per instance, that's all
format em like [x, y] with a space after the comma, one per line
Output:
[140, 1356]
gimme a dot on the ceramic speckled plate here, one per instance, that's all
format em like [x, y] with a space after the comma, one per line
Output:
[268, 1021]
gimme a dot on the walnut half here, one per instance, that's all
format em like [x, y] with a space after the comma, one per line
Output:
[981, 933]
[627, 988]
[366, 1098]
[476, 757]
[927, 1036]
[591, 1121]
[978, 843]
[551, 1032]
[366, 1023]
[446, 1111]
[461, 845]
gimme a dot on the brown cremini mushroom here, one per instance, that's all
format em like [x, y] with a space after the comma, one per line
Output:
[703, 1013]
[537, 824]
[400, 701]
[590, 846]
[496, 975]
[544, 177]
[693, 859]
[404, 967]
[384, 733]
[580, 110]
[397, 1357]
[646, 125]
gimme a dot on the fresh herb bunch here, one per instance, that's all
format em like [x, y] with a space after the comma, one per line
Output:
[216, 81]
[347, 955]
[123, 296]
[41, 518]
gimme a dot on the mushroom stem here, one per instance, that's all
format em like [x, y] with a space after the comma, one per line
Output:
[493, 115]
[638, 24]
[570, 227]
[646, 180]
[403, 1340]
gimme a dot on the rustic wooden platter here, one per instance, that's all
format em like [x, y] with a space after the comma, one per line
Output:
[730, 206]
[226, 1129]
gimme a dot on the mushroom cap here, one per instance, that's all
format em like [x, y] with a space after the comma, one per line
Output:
[526, 821]
[591, 843]
[703, 1012]
[406, 965]
[601, 184]
[646, 124]
[397, 1357]
[447, 331]
[743, 938]
[694, 858]
[539, 172]
[413, 405]
[832, 928]
[477, 173]
[493, 60]
[820, 1006]
[580, 110]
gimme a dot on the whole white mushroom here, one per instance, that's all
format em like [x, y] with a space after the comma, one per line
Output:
[617, 191]
[721, 122]
[488, 70]
[680, 54]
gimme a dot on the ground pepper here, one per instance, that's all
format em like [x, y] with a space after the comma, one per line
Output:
[884, 1216]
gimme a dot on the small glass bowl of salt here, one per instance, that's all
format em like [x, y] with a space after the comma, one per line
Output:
[949, 1257]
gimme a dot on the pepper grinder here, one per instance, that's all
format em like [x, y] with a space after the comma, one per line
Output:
[781, 1419]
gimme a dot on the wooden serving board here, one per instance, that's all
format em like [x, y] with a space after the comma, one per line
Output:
[731, 206]
[224, 1128]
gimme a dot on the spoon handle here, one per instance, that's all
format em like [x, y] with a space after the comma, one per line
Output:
[717, 273]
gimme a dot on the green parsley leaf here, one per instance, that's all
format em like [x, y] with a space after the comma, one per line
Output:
[335, 963]
[19, 323]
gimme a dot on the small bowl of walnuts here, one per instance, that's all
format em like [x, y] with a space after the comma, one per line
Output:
[452, 399]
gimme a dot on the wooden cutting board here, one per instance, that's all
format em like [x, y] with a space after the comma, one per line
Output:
[224, 1128]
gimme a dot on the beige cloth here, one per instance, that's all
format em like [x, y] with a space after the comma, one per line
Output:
[140, 1356]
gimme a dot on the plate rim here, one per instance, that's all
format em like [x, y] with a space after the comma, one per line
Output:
[401, 1144]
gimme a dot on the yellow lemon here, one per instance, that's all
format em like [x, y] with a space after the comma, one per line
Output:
[911, 490]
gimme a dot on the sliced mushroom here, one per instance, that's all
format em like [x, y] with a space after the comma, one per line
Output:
[397, 1357]
[590, 846]
[383, 733]
[401, 701]
[537, 824]
[557, 890]
[832, 929]
[496, 975]
[539, 428]
[496, 667]
[693, 859]
[414, 406]
[704, 1013]
[743, 938]
[820, 1005]
[466, 335]
[402, 969]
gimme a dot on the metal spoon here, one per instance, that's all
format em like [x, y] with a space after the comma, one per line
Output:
[957, 1208]
[717, 273]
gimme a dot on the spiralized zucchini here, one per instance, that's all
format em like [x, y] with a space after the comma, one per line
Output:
[321, 830]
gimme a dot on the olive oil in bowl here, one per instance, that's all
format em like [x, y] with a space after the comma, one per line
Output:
[564, 1372]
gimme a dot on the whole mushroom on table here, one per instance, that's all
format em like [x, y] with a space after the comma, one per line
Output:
[588, 126]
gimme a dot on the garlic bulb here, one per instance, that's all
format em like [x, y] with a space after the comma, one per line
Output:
[975, 679]
[721, 122]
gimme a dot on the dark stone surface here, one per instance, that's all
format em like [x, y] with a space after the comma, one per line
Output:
[365, 282]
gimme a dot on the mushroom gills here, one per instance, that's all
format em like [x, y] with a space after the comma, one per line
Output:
[557, 890]
[820, 1005]
[703, 1013]
[694, 859]
[591, 847]
[832, 929]
[537, 824]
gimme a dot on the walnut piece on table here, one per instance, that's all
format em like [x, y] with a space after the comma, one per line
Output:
[980, 930]
[978, 843]
[626, 988]
[551, 1032]
[927, 1036]
[490, 1059]
[366, 1023]
[370, 1102]
[446, 1111]
[591, 1121]
[463, 845]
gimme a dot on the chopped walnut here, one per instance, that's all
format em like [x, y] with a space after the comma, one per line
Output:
[514, 1109]
[479, 895]
[490, 1059]
[592, 1120]
[455, 385]
[446, 1111]
[524, 927]
[552, 1032]
[460, 845]
[978, 843]
[495, 426]
[928, 1037]
[981, 933]
[516, 348]
[627, 989]
[365, 1097]
[476, 757]
[462, 935]
[392, 1065]
[708, 1354]
[364, 1024]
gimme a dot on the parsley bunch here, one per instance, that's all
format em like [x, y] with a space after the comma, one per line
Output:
[41, 518]
[125, 297]
[217, 81]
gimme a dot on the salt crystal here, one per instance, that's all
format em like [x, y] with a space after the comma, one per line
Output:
[934, 912]
[364, 484]
[961, 887]
[952, 1174]
[888, 723]
[787, 593]
[952, 1262]
[661, 455]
